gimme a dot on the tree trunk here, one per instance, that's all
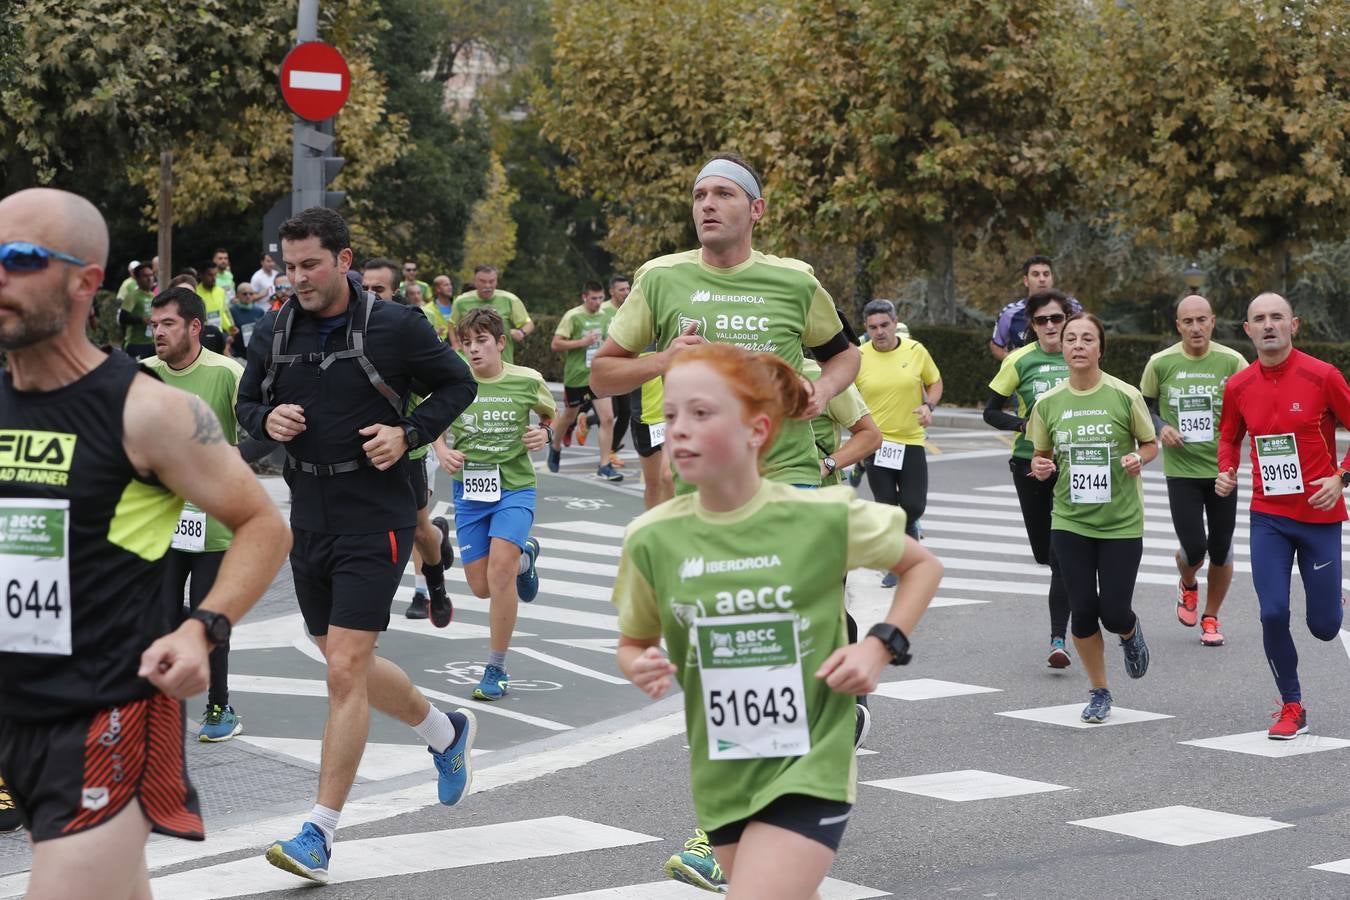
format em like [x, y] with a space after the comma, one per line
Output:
[863, 255]
[940, 292]
[165, 217]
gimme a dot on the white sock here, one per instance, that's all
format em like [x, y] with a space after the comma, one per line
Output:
[420, 583]
[326, 820]
[524, 563]
[436, 730]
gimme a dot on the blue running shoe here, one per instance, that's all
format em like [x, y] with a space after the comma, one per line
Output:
[607, 473]
[306, 854]
[527, 584]
[219, 723]
[888, 580]
[697, 865]
[494, 685]
[554, 459]
[455, 765]
[1099, 707]
[1136, 651]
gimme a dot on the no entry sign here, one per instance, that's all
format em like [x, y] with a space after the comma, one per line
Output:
[315, 80]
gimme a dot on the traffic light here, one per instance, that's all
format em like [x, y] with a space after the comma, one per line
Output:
[331, 166]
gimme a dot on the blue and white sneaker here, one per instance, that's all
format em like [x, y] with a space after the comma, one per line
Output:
[1136, 651]
[888, 580]
[307, 854]
[554, 459]
[527, 584]
[455, 765]
[494, 685]
[219, 723]
[1099, 707]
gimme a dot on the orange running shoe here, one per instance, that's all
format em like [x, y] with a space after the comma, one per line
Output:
[1209, 631]
[616, 461]
[1187, 601]
[583, 426]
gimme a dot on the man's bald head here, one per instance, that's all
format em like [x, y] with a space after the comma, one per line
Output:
[1269, 301]
[1193, 305]
[57, 219]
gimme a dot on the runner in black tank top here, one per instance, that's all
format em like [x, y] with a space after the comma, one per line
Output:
[95, 460]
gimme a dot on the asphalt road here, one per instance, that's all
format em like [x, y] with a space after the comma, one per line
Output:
[971, 786]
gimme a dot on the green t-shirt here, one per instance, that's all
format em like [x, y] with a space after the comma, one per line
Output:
[766, 303]
[1184, 385]
[575, 324]
[215, 379]
[843, 411]
[1027, 373]
[489, 432]
[437, 320]
[137, 302]
[217, 310]
[786, 551]
[508, 304]
[1092, 430]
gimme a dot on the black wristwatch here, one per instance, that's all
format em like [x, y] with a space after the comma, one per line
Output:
[895, 641]
[412, 436]
[218, 626]
[1345, 480]
[830, 464]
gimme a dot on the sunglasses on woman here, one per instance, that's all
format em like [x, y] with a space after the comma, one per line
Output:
[1055, 318]
[21, 256]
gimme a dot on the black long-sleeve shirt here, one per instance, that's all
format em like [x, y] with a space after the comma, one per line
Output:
[402, 346]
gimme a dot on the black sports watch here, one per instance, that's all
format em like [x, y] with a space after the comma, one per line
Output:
[218, 626]
[895, 641]
[1345, 479]
[412, 436]
[830, 464]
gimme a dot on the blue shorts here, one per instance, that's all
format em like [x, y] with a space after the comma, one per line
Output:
[477, 522]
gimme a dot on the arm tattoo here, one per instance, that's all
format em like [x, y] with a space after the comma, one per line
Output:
[206, 426]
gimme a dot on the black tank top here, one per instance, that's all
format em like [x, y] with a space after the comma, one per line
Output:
[66, 445]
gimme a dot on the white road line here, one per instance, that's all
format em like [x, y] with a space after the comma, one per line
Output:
[594, 548]
[966, 454]
[380, 761]
[312, 687]
[590, 529]
[560, 615]
[566, 665]
[557, 587]
[832, 889]
[406, 854]
[599, 645]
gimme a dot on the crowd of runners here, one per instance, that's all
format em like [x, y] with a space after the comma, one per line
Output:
[752, 405]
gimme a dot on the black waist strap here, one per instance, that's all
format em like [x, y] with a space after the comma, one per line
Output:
[325, 470]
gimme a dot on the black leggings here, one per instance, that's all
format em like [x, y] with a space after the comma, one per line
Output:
[1099, 575]
[1193, 500]
[1037, 499]
[203, 568]
[906, 488]
[623, 411]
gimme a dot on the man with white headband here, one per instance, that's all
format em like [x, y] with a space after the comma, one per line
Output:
[726, 291]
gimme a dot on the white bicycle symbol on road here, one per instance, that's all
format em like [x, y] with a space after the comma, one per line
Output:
[581, 502]
[468, 674]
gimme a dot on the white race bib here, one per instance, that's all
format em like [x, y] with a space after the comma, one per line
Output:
[1281, 471]
[891, 455]
[190, 533]
[1090, 473]
[1195, 418]
[247, 332]
[35, 573]
[753, 700]
[591, 351]
[482, 483]
[213, 318]
[657, 433]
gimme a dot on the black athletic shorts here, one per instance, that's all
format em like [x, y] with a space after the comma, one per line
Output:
[74, 774]
[642, 440]
[823, 821]
[348, 580]
[578, 396]
[417, 476]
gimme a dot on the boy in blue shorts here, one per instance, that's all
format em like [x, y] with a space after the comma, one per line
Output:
[494, 486]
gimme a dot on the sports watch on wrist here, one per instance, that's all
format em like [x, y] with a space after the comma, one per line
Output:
[830, 464]
[412, 436]
[895, 641]
[1345, 479]
[218, 626]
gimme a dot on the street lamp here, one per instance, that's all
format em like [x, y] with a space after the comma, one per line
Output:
[1193, 275]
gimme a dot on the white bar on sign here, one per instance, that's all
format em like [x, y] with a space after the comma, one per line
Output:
[316, 81]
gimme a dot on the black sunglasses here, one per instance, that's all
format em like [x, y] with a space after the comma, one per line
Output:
[21, 256]
[1046, 320]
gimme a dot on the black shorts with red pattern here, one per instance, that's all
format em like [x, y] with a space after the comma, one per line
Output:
[70, 775]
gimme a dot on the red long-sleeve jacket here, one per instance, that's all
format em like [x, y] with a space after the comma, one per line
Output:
[1303, 396]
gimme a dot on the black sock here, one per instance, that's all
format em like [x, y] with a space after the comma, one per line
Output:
[435, 576]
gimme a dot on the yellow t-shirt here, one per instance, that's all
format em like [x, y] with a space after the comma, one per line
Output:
[892, 385]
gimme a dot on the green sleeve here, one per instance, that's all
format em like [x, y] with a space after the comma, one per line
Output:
[635, 599]
[1037, 432]
[1006, 380]
[544, 404]
[456, 311]
[519, 316]
[846, 407]
[567, 324]
[1148, 382]
[633, 327]
[822, 320]
[1141, 422]
[876, 534]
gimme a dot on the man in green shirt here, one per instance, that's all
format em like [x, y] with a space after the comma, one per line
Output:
[224, 277]
[507, 305]
[410, 278]
[1183, 386]
[578, 337]
[134, 314]
[213, 298]
[200, 541]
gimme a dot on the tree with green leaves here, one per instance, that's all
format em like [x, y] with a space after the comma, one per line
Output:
[1216, 124]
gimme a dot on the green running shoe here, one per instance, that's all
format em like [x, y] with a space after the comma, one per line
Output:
[697, 866]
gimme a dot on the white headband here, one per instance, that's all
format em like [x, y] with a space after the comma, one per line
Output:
[731, 171]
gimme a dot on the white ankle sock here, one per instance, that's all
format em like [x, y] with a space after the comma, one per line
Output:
[436, 730]
[420, 583]
[326, 820]
[524, 563]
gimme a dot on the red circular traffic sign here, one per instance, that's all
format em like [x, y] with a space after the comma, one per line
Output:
[315, 80]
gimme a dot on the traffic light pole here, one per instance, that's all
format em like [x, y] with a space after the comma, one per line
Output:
[312, 169]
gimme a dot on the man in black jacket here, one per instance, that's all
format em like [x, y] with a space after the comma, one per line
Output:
[328, 376]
